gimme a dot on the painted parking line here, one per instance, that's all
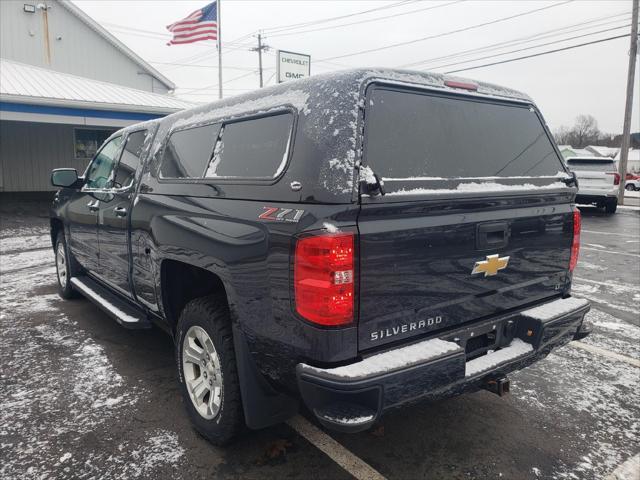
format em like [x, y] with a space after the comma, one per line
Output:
[334, 450]
[610, 233]
[611, 251]
[605, 353]
[629, 470]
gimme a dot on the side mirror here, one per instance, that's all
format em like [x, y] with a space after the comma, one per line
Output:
[64, 177]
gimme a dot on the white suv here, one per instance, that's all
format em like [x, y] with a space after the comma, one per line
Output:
[598, 181]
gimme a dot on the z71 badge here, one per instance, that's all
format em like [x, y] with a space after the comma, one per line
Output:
[276, 214]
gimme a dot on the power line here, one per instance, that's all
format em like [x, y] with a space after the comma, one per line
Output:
[330, 19]
[203, 66]
[451, 32]
[539, 54]
[555, 42]
[520, 40]
[208, 87]
[386, 17]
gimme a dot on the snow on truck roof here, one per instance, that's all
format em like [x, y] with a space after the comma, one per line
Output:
[344, 83]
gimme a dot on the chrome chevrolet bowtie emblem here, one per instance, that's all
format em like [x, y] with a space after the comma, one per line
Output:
[491, 265]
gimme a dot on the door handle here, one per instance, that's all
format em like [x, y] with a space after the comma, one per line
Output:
[120, 211]
[93, 206]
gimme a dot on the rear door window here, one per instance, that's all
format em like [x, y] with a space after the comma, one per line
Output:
[188, 152]
[425, 136]
[130, 159]
[253, 148]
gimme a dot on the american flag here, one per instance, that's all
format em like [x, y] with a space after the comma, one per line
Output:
[200, 25]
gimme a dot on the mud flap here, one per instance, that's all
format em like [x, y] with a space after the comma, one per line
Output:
[262, 405]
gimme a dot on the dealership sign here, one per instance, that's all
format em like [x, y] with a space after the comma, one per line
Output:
[292, 66]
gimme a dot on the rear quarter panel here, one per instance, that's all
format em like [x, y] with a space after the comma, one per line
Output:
[252, 258]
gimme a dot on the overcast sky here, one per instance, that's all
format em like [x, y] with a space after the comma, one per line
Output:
[590, 79]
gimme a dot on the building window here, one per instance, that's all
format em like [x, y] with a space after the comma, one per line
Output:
[87, 141]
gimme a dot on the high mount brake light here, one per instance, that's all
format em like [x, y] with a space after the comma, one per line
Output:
[575, 245]
[460, 84]
[323, 278]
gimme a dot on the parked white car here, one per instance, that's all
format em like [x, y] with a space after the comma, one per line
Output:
[598, 181]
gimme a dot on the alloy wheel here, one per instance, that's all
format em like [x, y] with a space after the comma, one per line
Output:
[202, 372]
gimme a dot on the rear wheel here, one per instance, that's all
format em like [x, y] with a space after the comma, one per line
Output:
[611, 205]
[207, 369]
[65, 268]
[630, 187]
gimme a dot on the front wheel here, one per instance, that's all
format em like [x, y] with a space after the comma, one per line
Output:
[630, 187]
[207, 369]
[65, 268]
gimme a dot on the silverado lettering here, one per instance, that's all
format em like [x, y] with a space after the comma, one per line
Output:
[404, 328]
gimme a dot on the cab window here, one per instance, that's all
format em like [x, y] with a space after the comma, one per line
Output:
[99, 173]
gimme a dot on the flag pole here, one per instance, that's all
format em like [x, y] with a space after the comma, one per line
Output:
[219, 50]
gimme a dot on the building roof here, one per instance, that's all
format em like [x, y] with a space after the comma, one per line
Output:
[22, 83]
[100, 30]
[603, 151]
[577, 152]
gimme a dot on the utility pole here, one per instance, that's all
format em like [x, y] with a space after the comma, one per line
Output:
[259, 49]
[626, 129]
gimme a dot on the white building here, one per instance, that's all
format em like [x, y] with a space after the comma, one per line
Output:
[633, 161]
[65, 85]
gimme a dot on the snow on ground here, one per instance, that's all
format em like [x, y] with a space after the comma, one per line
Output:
[614, 334]
[579, 384]
[12, 262]
[24, 242]
[59, 393]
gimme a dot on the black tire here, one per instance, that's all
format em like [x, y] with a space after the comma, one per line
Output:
[211, 313]
[611, 205]
[71, 268]
[630, 187]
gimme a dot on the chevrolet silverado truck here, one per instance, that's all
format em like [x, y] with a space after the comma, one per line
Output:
[348, 243]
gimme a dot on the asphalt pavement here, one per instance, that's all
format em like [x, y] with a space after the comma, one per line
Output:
[80, 397]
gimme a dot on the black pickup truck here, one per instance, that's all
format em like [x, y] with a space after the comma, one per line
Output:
[354, 242]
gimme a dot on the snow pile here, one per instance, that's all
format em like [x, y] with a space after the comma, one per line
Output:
[348, 420]
[517, 349]
[367, 175]
[479, 187]
[556, 308]
[391, 360]
[330, 227]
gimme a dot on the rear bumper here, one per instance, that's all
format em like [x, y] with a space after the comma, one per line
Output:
[353, 397]
[595, 196]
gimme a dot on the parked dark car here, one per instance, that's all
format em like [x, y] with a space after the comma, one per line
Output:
[358, 241]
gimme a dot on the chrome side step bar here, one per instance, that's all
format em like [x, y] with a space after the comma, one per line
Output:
[123, 312]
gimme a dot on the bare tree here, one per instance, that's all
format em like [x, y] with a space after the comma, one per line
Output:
[584, 132]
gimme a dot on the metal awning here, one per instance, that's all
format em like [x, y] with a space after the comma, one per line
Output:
[30, 93]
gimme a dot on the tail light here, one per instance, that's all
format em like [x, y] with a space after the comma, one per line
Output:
[575, 245]
[323, 278]
[616, 177]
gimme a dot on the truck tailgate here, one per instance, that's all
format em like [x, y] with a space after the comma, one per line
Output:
[416, 270]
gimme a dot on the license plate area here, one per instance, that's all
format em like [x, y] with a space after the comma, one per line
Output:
[480, 339]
